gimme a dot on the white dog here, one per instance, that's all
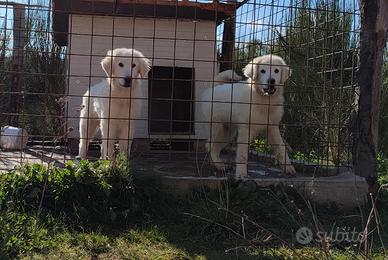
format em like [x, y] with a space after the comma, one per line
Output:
[110, 105]
[244, 109]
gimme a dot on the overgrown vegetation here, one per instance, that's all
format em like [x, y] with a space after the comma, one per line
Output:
[97, 210]
[89, 192]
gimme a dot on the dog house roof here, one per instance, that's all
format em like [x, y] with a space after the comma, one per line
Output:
[215, 10]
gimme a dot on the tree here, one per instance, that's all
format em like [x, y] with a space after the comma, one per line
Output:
[43, 79]
[320, 46]
[383, 122]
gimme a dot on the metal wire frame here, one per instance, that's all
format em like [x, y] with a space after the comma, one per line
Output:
[261, 27]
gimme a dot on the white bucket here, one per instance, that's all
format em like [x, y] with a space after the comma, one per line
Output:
[13, 138]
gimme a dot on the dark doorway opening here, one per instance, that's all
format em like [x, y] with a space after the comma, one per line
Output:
[171, 93]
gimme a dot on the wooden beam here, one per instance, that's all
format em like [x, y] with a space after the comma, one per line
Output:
[127, 8]
[17, 63]
[60, 22]
[228, 44]
[374, 32]
[227, 7]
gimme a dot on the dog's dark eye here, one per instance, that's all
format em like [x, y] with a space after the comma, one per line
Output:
[262, 71]
[276, 71]
[121, 64]
[133, 65]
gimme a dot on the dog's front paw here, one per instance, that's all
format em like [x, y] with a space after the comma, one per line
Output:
[289, 169]
[219, 166]
[241, 171]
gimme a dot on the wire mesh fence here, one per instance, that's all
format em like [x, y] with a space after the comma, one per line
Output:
[160, 97]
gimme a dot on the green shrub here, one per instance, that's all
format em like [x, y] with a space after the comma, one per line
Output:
[382, 168]
[311, 157]
[261, 146]
[89, 193]
[21, 233]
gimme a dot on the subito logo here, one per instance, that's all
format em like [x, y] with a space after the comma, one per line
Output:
[304, 235]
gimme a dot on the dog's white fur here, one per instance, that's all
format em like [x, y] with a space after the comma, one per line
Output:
[110, 105]
[227, 76]
[247, 108]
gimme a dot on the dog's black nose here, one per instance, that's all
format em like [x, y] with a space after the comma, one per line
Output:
[270, 89]
[128, 81]
[271, 81]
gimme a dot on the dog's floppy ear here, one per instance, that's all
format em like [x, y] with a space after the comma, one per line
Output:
[106, 63]
[250, 70]
[145, 65]
[286, 73]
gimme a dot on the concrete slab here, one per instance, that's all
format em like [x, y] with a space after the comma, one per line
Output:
[346, 189]
[319, 183]
[182, 171]
[36, 154]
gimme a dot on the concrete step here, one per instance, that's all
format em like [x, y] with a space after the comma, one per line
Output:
[181, 172]
[346, 190]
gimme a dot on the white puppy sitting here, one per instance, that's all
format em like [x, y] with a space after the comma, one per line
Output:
[247, 108]
[110, 105]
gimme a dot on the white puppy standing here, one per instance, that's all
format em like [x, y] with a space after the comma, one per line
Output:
[245, 109]
[111, 105]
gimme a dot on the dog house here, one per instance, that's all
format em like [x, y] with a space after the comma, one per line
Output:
[179, 37]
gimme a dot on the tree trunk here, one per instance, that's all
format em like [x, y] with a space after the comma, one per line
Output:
[374, 31]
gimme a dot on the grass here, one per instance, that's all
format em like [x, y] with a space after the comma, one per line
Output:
[153, 243]
[238, 221]
[260, 145]
[130, 244]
